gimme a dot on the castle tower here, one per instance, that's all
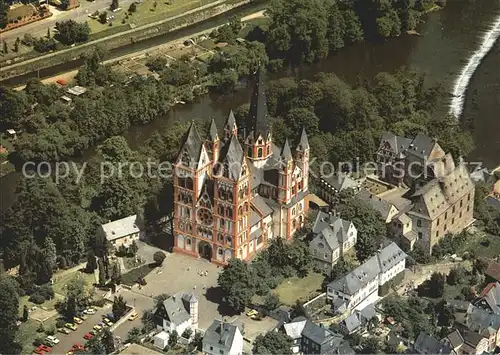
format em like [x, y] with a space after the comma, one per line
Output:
[302, 161]
[193, 311]
[212, 143]
[230, 128]
[258, 143]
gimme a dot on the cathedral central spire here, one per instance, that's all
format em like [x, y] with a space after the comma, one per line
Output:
[258, 117]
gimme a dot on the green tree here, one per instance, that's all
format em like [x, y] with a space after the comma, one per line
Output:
[235, 281]
[5, 47]
[445, 314]
[103, 17]
[133, 248]
[371, 345]
[173, 338]
[274, 343]
[272, 301]
[25, 313]
[134, 335]
[102, 272]
[480, 265]
[160, 299]
[91, 262]
[116, 274]
[119, 307]
[114, 5]
[371, 228]
[16, 44]
[70, 31]
[108, 341]
[49, 252]
[9, 304]
[159, 257]
[456, 275]
[353, 28]
[96, 347]
[132, 8]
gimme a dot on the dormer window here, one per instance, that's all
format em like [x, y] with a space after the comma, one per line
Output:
[260, 141]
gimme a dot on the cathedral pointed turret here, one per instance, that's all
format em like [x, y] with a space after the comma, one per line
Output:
[230, 128]
[304, 142]
[286, 152]
[212, 142]
[258, 117]
[192, 146]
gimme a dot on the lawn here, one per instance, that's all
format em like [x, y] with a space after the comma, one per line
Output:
[60, 282]
[148, 11]
[294, 288]
[482, 245]
[28, 333]
[47, 305]
[130, 262]
[130, 278]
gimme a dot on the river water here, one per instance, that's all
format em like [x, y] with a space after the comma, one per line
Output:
[447, 40]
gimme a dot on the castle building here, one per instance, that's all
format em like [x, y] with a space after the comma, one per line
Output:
[233, 192]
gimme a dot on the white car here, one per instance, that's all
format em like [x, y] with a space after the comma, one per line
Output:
[53, 339]
[89, 311]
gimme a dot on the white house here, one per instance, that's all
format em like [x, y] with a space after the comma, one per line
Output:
[360, 287]
[223, 338]
[333, 237]
[122, 231]
[178, 313]
[160, 340]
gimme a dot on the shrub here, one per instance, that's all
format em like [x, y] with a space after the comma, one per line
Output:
[37, 298]
[41, 328]
[99, 302]
[46, 291]
[187, 333]
[51, 330]
[60, 323]
[158, 257]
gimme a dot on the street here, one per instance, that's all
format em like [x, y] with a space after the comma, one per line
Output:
[140, 303]
[80, 14]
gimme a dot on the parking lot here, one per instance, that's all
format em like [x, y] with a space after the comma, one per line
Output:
[140, 303]
[68, 340]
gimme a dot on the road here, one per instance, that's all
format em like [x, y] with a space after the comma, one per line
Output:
[80, 14]
[68, 340]
[140, 303]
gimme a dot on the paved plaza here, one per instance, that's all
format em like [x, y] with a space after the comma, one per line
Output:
[182, 273]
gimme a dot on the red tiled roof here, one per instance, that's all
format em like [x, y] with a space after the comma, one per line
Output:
[493, 271]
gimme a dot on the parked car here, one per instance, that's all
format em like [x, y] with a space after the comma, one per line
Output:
[97, 328]
[110, 316]
[77, 320]
[82, 316]
[52, 339]
[88, 336]
[45, 348]
[133, 316]
[89, 311]
[71, 326]
[252, 313]
[63, 330]
[77, 346]
[39, 350]
[108, 322]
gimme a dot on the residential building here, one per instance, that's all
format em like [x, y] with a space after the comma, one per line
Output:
[489, 299]
[223, 338]
[122, 231]
[485, 323]
[178, 313]
[234, 191]
[136, 349]
[427, 344]
[310, 338]
[386, 209]
[333, 237]
[360, 320]
[467, 342]
[360, 287]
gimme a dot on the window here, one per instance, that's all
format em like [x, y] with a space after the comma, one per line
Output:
[453, 210]
[468, 197]
[220, 252]
[460, 214]
[259, 153]
[419, 235]
[468, 208]
[419, 223]
[188, 241]
[446, 215]
[268, 150]
[249, 151]
[461, 203]
[453, 221]
[437, 234]
[211, 348]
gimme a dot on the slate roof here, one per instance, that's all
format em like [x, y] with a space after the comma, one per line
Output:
[192, 143]
[420, 143]
[233, 156]
[369, 270]
[177, 307]
[380, 205]
[398, 144]
[472, 338]
[304, 142]
[212, 132]
[121, 228]
[295, 328]
[426, 344]
[332, 229]
[340, 182]
[286, 153]
[221, 334]
[455, 339]
[351, 323]
[479, 319]
[258, 115]
[260, 204]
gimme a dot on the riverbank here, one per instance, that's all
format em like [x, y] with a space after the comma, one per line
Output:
[120, 39]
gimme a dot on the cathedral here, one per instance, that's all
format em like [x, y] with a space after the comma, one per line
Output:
[233, 191]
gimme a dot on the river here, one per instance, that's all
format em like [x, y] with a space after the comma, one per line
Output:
[447, 40]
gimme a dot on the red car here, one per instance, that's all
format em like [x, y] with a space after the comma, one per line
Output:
[88, 336]
[42, 349]
[78, 346]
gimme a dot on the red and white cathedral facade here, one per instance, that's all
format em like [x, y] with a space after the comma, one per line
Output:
[235, 192]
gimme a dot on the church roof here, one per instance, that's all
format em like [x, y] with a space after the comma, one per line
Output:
[212, 133]
[258, 116]
[286, 153]
[192, 143]
[304, 142]
[233, 157]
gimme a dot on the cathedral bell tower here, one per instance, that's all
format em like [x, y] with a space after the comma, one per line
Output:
[302, 161]
[258, 143]
[212, 143]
